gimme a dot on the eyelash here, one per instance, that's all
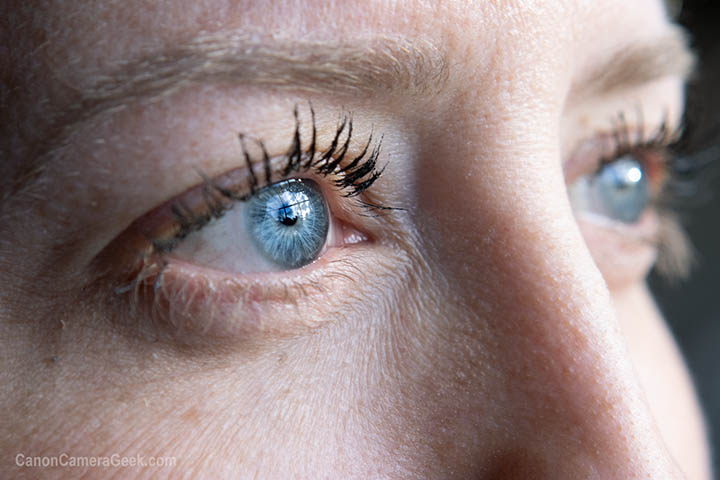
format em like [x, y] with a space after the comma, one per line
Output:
[351, 178]
[678, 158]
[676, 163]
[621, 134]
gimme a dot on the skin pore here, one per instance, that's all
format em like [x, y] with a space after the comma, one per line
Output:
[481, 330]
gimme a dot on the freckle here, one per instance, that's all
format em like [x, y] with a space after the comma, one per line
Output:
[191, 416]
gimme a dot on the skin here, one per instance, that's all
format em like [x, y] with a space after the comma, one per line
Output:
[484, 332]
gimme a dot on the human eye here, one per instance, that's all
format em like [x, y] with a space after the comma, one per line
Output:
[282, 226]
[263, 233]
[273, 214]
[627, 190]
[627, 178]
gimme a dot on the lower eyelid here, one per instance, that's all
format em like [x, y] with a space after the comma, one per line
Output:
[626, 251]
[623, 253]
[644, 230]
[194, 303]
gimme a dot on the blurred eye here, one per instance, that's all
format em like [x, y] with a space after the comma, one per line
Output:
[619, 190]
[624, 185]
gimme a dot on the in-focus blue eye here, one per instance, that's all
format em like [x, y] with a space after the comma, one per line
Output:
[619, 191]
[288, 222]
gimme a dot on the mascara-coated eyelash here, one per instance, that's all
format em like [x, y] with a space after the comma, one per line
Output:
[352, 176]
[663, 154]
[680, 159]
[627, 175]
[639, 172]
[639, 144]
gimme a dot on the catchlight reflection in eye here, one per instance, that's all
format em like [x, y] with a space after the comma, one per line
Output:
[245, 224]
[618, 191]
[289, 222]
[283, 226]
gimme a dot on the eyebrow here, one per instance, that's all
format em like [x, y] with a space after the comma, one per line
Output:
[638, 64]
[373, 66]
[369, 67]
[377, 65]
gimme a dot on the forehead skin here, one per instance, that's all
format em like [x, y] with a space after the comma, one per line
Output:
[510, 67]
[492, 43]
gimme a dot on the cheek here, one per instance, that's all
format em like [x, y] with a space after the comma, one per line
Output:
[622, 258]
[660, 368]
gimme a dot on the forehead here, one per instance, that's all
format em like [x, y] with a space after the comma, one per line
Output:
[87, 35]
[61, 49]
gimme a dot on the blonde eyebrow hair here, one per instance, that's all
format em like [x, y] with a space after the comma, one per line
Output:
[374, 66]
[378, 65]
[638, 64]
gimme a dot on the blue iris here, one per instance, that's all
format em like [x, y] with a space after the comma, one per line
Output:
[289, 221]
[620, 190]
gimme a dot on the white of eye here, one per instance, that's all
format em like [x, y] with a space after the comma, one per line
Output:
[283, 226]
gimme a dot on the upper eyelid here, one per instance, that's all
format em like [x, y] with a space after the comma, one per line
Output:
[620, 134]
[354, 176]
[380, 63]
[364, 66]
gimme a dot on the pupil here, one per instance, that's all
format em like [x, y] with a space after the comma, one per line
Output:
[289, 222]
[287, 216]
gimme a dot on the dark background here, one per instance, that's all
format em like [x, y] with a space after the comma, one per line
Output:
[692, 307]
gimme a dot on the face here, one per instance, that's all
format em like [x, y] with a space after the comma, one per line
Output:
[342, 240]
